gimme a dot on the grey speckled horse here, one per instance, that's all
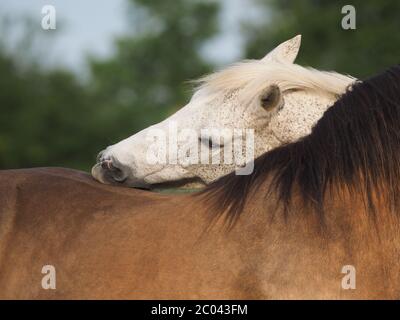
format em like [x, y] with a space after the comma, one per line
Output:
[275, 98]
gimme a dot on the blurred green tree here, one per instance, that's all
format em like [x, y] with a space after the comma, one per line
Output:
[144, 81]
[44, 117]
[50, 118]
[370, 48]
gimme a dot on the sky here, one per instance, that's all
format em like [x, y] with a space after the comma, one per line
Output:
[89, 26]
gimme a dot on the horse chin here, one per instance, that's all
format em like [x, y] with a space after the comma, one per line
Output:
[188, 184]
[104, 177]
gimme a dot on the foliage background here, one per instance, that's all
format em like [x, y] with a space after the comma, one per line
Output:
[53, 117]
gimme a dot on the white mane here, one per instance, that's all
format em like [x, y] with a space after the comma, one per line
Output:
[253, 75]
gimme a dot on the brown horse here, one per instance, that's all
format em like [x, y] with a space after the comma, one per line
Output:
[310, 208]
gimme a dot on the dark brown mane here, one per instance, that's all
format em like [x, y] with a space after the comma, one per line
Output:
[355, 144]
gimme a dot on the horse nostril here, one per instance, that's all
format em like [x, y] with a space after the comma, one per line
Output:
[107, 164]
[113, 171]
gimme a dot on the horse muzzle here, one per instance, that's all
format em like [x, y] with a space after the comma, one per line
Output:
[109, 171]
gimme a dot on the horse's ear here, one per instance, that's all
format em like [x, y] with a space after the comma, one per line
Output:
[285, 52]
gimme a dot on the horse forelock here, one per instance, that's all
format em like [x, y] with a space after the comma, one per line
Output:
[355, 146]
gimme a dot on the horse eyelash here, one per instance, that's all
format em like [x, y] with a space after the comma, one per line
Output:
[209, 142]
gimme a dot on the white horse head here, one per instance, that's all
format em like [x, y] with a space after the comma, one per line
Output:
[268, 102]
